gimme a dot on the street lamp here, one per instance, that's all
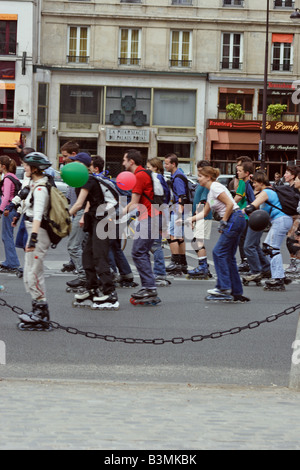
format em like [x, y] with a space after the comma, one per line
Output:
[296, 16]
[265, 96]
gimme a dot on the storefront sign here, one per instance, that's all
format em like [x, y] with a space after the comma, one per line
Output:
[127, 135]
[282, 148]
[273, 126]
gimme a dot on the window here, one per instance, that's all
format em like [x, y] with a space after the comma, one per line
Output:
[7, 102]
[130, 46]
[282, 52]
[42, 119]
[284, 4]
[176, 108]
[232, 51]
[180, 54]
[233, 3]
[8, 37]
[7, 70]
[280, 97]
[131, 1]
[242, 97]
[78, 44]
[80, 104]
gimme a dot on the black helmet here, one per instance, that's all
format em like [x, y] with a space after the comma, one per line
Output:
[38, 160]
[259, 220]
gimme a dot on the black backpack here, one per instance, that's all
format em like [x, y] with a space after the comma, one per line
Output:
[288, 199]
[190, 188]
[17, 183]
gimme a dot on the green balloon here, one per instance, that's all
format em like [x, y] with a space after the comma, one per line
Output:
[75, 174]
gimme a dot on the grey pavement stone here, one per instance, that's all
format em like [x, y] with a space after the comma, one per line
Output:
[74, 415]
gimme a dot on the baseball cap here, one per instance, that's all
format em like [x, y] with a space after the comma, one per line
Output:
[83, 157]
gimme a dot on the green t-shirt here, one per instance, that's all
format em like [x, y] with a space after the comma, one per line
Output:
[241, 191]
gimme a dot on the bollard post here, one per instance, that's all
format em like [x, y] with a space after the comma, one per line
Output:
[295, 366]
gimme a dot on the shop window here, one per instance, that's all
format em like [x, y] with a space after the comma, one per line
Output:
[128, 106]
[7, 70]
[78, 44]
[130, 46]
[7, 102]
[8, 37]
[174, 108]
[232, 51]
[280, 97]
[180, 53]
[80, 104]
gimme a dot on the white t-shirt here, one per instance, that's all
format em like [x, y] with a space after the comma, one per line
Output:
[215, 204]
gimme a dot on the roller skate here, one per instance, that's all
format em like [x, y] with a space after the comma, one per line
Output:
[256, 278]
[76, 285]
[162, 281]
[68, 267]
[19, 272]
[126, 281]
[293, 271]
[38, 319]
[244, 267]
[218, 295]
[266, 274]
[7, 270]
[202, 271]
[240, 299]
[106, 302]
[178, 266]
[84, 297]
[145, 297]
[276, 285]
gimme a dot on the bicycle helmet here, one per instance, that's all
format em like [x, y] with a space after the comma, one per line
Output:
[38, 160]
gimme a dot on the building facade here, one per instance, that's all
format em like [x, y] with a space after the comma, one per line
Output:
[18, 52]
[158, 75]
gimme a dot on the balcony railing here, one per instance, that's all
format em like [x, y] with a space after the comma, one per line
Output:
[129, 61]
[281, 67]
[225, 64]
[180, 63]
[78, 59]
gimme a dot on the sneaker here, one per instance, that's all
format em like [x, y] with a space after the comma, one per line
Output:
[220, 292]
[106, 302]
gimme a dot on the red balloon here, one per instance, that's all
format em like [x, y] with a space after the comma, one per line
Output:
[126, 180]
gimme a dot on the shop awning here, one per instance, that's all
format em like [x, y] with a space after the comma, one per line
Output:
[9, 139]
[237, 140]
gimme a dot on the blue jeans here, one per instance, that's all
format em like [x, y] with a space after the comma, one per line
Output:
[117, 258]
[142, 245]
[257, 261]
[159, 268]
[224, 254]
[275, 237]
[11, 257]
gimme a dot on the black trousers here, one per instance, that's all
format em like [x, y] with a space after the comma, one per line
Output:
[95, 260]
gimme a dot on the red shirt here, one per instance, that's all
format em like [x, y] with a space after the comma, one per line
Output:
[144, 186]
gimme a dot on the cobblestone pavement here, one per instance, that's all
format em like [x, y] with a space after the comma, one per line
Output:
[74, 415]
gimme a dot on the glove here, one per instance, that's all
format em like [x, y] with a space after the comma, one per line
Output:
[249, 209]
[33, 240]
[9, 208]
[222, 226]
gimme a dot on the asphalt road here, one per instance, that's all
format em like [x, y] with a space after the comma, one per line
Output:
[260, 356]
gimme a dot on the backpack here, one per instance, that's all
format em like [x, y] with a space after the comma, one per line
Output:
[190, 188]
[158, 190]
[110, 194]
[16, 182]
[288, 199]
[57, 221]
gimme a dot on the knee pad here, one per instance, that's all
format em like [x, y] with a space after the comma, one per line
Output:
[270, 250]
[292, 246]
[195, 246]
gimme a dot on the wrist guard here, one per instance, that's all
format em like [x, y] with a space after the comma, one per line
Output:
[249, 209]
[33, 240]
[222, 226]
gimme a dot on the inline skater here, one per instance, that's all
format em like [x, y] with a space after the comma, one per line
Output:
[232, 224]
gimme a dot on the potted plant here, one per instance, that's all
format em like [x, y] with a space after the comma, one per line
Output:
[275, 111]
[234, 111]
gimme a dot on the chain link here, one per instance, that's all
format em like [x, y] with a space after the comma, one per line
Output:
[159, 341]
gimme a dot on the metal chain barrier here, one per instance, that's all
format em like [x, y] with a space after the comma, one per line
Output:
[159, 341]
